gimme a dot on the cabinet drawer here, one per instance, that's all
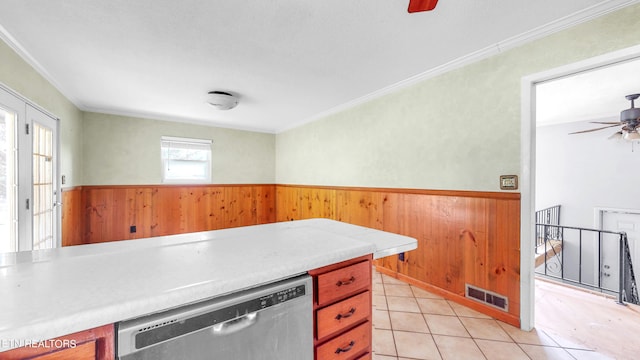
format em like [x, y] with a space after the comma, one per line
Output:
[86, 351]
[343, 282]
[347, 345]
[341, 315]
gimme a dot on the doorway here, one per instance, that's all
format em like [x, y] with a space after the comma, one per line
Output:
[29, 193]
[528, 163]
[623, 220]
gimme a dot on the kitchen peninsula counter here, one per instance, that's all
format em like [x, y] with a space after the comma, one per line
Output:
[50, 293]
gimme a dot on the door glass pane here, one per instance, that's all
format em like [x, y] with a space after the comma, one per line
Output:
[8, 183]
[43, 237]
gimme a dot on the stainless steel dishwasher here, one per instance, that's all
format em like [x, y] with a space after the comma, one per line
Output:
[274, 321]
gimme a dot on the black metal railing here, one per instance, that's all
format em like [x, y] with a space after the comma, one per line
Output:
[548, 216]
[588, 258]
[629, 287]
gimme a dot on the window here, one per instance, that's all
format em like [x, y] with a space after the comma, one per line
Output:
[185, 160]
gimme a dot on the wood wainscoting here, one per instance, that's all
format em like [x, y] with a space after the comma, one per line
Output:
[94, 214]
[464, 237]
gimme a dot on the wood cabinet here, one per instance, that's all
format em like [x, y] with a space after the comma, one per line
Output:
[93, 344]
[342, 310]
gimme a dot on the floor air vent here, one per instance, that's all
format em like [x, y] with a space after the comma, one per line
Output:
[487, 297]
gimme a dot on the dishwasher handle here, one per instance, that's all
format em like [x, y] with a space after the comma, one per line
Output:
[235, 325]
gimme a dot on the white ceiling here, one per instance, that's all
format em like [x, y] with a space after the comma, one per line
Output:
[595, 95]
[290, 61]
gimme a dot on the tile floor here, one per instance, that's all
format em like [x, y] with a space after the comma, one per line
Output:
[411, 323]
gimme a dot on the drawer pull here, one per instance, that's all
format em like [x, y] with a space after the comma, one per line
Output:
[346, 282]
[348, 314]
[341, 350]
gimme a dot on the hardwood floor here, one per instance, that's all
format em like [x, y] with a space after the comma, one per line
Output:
[410, 323]
[579, 318]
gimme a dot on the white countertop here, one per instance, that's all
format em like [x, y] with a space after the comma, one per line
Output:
[50, 293]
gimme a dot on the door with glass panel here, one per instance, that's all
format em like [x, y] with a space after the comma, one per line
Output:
[44, 200]
[28, 189]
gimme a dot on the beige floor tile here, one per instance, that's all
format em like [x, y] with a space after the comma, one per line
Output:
[399, 303]
[533, 337]
[381, 319]
[435, 306]
[416, 345]
[589, 355]
[537, 352]
[421, 293]
[397, 290]
[487, 329]
[389, 280]
[378, 289]
[498, 350]
[376, 277]
[406, 321]
[462, 310]
[379, 302]
[445, 325]
[383, 357]
[457, 348]
[383, 343]
[566, 342]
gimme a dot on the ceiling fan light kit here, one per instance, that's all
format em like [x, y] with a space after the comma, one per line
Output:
[222, 100]
[631, 135]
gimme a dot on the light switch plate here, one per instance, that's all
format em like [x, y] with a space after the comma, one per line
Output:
[508, 182]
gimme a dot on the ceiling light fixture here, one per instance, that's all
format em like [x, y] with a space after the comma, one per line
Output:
[222, 100]
[631, 135]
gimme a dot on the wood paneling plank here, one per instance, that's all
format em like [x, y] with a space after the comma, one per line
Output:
[72, 211]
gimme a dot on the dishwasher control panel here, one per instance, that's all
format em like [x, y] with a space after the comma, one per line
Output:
[282, 296]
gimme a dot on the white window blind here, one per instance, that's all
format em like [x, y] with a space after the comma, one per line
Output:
[185, 160]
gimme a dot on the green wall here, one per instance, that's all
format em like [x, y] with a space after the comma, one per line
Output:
[125, 150]
[22, 78]
[459, 130]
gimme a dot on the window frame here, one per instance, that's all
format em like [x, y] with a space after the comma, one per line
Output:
[205, 143]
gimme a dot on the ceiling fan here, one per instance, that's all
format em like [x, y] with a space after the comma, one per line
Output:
[629, 120]
[422, 5]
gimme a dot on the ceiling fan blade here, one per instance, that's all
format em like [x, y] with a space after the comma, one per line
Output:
[586, 131]
[608, 122]
[422, 5]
